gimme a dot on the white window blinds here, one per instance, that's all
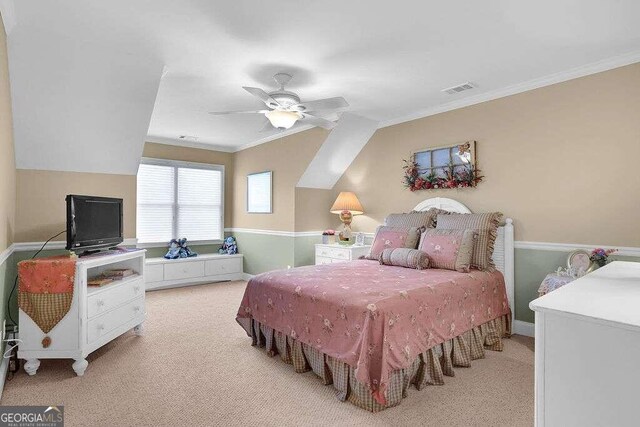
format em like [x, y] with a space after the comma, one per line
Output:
[178, 199]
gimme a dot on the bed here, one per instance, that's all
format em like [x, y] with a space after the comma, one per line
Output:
[374, 330]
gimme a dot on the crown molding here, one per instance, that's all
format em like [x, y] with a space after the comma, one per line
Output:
[548, 80]
[189, 144]
[8, 15]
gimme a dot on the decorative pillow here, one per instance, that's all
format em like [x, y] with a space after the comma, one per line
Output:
[448, 249]
[393, 237]
[486, 226]
[418, 219]
[405, 257]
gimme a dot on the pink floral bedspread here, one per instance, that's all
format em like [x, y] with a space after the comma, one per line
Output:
[375, 318]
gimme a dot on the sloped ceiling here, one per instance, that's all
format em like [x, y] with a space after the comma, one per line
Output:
[86, 75]
[338, 151]
[82, 91]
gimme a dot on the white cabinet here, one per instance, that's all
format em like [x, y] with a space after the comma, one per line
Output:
[588, 350]
[166, 273]
[183, 270]
[327, 254]
[97, 314]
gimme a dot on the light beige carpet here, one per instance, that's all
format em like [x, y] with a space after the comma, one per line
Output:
[195, 366]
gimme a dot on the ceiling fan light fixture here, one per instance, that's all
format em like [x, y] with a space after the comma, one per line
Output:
[283, 119]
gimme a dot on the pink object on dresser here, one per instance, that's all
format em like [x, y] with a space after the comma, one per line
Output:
[375, 318]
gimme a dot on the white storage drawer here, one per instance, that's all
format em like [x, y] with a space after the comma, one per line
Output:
[104, 324]
[183, 270]
[154, 273]
[101, 301]
[323, 260]
[222, 266]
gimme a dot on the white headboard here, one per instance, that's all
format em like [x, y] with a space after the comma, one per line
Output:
[503, 252]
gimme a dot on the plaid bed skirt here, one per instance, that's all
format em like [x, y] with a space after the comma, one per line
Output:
[429, 368]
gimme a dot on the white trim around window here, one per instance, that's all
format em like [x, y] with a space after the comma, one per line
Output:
[190, 165]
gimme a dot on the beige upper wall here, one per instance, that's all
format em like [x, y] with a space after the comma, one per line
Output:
[7, 153]
[41, 208]
[562, 161]
[288, 158]
[187, 154]
[41, 205]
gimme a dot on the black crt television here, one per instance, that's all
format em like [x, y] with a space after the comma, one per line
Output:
[93, 222]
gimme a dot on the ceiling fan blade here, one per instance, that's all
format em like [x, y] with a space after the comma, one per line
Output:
[220, 113]
[317, 121]
[262, 96]
[322, 104]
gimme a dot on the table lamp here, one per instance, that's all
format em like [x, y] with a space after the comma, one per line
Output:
[346, 205]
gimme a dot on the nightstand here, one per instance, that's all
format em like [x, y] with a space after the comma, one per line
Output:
[327, 254]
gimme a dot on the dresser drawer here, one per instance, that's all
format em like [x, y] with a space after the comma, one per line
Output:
[215, 267]
[340, 253]
[323, 260]
[104, 324]
[323, 251]
[154, 273]
[183, 270]
[109, 298]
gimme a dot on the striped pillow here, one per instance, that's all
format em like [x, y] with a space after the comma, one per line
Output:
[448, 249]
[426, 219]
[485, 225]
[393, 237]
[405, 257]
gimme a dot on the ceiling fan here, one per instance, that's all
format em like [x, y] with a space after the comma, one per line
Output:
[285, 108]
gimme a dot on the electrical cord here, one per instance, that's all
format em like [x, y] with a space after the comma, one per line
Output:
[15, 282]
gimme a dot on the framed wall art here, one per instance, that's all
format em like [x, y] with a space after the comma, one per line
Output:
[449, 166]
[259, 192]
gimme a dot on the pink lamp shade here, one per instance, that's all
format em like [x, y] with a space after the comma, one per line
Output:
[347, 201]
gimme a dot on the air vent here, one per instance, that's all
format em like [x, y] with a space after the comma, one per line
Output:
[460, 88]
[188, 137]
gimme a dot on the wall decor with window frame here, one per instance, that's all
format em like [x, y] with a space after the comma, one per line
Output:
[259, 192]
[449, 166]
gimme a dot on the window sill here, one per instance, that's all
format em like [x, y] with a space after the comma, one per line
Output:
[145, 245]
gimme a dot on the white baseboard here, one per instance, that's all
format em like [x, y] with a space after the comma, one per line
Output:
[524, 328]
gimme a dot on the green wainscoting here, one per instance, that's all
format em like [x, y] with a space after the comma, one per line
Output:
[531, 267]
[265, 252]
[305, 250]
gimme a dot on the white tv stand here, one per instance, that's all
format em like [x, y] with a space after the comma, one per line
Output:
[97, 314]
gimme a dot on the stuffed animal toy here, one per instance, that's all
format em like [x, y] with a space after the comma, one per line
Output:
[229, 246]
[179, 249]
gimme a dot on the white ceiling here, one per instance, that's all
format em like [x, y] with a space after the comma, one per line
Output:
[85, 74]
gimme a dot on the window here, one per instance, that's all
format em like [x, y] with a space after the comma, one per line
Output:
[179, 199]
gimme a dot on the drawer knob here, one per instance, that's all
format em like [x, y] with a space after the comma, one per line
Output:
[100, 326]
[100, 302]
[136, 289]
[136, 308]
